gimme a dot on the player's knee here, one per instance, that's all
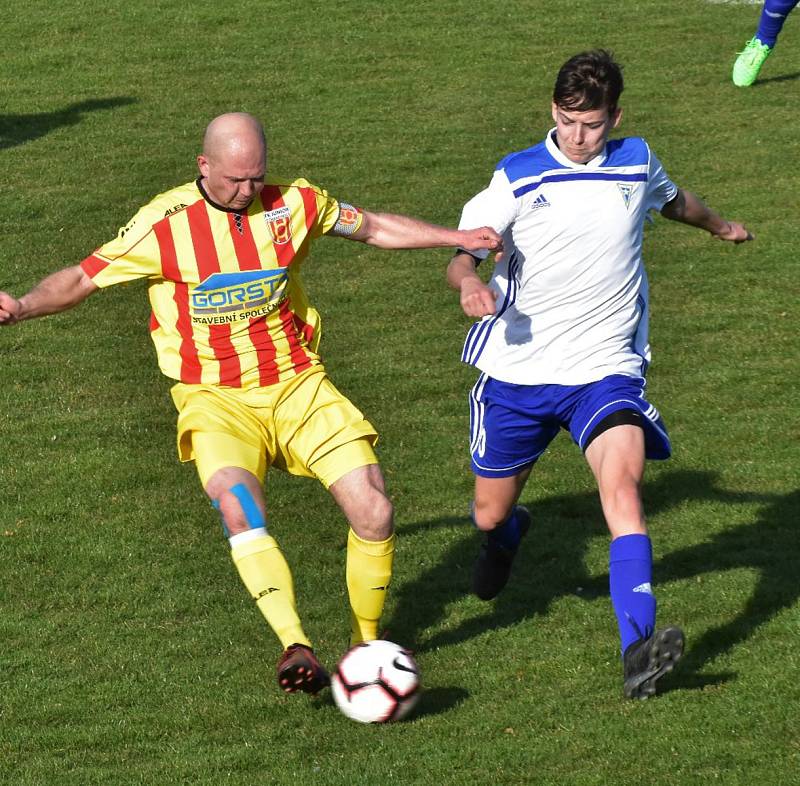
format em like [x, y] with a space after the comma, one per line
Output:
[231, 513]
[622, 504]
[625, 492]
[377, 517]
[239, 509]
[382, 518]
[489, 514]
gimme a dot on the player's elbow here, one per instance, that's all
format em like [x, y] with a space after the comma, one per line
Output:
[370, 230]
[675, 209]
[84, 286]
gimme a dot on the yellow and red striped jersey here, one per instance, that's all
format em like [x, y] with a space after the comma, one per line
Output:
[228, 302]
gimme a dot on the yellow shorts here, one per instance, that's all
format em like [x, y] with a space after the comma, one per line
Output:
[304, 426]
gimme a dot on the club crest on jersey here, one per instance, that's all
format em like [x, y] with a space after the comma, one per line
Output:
[279, 222]
[626, 189]
[540, 202]
[224, 298]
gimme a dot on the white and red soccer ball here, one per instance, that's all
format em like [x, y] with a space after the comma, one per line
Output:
[376, 682]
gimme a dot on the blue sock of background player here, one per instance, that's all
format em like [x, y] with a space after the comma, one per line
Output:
[773, 15]
[630, 571]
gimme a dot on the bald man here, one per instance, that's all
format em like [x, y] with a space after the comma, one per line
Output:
[233, 327]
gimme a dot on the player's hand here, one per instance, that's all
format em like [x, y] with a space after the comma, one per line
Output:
[735, 233]
[477, 239]
[477, 300]
[10, 308]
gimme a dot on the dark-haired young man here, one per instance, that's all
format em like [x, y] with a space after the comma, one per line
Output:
[562, 339]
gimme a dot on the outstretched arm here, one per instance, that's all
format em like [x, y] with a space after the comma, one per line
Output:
[477, 299]
[58, 292]
[389, 230]
[688, 208]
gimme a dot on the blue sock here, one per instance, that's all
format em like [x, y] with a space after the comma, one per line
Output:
[630, 569]
[773, 15]
[508, 534]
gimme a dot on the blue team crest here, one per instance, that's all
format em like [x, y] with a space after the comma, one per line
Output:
[626, 189]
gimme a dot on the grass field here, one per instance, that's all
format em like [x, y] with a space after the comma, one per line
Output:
[129, 651]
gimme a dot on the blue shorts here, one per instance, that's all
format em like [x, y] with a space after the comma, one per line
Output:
[512, 425]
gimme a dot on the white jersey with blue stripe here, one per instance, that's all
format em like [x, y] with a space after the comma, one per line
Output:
[572, 302]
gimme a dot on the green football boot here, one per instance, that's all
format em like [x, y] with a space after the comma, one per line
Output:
[749, 62]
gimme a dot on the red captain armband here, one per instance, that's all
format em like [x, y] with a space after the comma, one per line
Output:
[348, 222]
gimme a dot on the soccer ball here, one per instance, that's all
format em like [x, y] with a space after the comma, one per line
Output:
[376, 682]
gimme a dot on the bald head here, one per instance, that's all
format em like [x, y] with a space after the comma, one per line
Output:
[234, 160]
[233, 131]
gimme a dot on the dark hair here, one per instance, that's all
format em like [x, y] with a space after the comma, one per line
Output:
[589, 80]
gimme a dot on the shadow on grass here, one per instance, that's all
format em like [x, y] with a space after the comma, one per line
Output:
[17, 129]
[432, 701]
[780, 78]
[551, 565]
[435, 701]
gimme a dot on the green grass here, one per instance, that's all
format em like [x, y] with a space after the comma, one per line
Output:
[129, 652]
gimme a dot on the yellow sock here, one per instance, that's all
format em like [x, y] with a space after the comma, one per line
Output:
[369, 569]
[267, 577]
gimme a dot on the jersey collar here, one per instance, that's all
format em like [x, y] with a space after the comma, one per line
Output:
[199, 184]
[553, 149]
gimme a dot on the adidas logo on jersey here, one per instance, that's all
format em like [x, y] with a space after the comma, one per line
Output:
[540, 201]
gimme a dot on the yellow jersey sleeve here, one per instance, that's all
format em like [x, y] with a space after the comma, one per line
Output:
[135, 252]
[327, 208]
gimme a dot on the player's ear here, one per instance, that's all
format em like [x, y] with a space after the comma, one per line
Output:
[554, 111]
[202, 165]
[616, 117]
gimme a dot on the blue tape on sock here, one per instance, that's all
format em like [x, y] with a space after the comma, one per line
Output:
[252, 513]
[215, 505]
